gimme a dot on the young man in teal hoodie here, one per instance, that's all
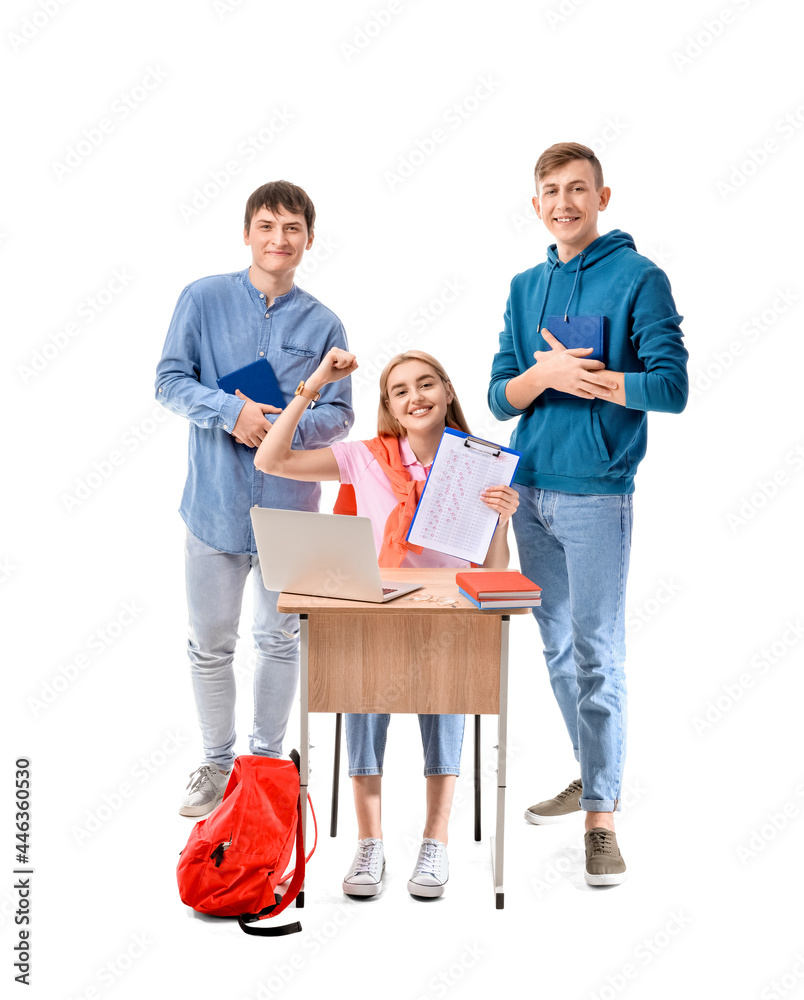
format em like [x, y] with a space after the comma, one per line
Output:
[581, 449]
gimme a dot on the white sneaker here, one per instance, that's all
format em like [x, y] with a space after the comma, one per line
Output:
[364, 877]
[432, 870]
[205, 790]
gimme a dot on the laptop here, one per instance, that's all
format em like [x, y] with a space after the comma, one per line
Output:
[321, 555]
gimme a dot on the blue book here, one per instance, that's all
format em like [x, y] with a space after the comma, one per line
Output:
[572, 332]
[257, 381]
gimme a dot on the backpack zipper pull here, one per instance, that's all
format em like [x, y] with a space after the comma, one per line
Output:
[217, 854]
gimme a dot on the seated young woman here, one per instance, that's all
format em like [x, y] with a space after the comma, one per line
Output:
[417, 400]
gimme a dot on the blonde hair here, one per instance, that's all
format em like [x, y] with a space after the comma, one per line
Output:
[388, 425]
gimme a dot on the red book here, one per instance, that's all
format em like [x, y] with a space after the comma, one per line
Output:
[492, 584]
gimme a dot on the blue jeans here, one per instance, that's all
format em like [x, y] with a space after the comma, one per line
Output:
[215, 583]
[577, 549]
[442, 739]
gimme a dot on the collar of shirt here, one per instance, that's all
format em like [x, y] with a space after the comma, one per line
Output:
[259, 297]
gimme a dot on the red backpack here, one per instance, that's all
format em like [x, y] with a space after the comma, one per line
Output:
[235, 858]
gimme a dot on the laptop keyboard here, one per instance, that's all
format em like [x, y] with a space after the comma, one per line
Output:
[389, 590]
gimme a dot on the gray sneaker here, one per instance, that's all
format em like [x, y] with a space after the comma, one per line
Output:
[556, 809]
[604, 863]
[204, 790]
[364, 877]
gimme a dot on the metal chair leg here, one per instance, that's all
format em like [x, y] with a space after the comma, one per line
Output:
[333, 821]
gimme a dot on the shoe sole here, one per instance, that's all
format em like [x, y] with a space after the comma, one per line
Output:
[613, 878]
[199, 810]
[362, 890]
[538, 820]
[429, 891]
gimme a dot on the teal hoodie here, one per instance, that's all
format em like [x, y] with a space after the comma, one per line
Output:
[582, 445]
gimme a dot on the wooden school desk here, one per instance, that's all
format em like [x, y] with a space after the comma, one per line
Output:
[406, 656]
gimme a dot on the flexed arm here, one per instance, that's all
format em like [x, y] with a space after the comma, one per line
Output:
[275, 454]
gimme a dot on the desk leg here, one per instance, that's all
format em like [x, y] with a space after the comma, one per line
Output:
[304, 763]
[498, 841]
[477, 778]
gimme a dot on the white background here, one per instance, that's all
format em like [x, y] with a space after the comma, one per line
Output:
[686, 106]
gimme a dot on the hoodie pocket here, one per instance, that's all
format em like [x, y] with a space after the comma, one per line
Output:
[597, 432]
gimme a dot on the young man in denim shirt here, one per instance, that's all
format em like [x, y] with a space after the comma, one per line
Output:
[220, 324]
[580, 454]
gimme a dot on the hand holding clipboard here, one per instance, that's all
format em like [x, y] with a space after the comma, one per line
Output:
[450, 516]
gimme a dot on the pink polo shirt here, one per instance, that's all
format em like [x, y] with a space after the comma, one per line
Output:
[375, 497]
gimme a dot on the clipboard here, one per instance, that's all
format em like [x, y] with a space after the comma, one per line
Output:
[450, 516]
[257, 381]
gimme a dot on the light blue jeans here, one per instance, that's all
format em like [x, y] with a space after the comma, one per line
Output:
[577, 549]
[442, 739]
[215, 583]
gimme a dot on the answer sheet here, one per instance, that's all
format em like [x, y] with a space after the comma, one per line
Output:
[451, 517]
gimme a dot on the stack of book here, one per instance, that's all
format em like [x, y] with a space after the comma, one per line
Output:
[503, 589]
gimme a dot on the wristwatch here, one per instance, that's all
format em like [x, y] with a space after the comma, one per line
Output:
[308, 393]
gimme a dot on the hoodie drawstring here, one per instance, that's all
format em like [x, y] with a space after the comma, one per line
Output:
[574, 285]
[550, 274]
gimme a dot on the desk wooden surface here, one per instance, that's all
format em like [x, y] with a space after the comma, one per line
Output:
[403, 656]
[438, 582]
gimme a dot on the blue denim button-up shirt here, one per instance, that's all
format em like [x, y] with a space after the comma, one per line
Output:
[221, 324]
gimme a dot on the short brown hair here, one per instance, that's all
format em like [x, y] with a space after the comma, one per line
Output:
[561, 153]
[388, 425]
[281, 195]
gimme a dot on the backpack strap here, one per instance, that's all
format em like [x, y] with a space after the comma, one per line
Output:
[281, 902]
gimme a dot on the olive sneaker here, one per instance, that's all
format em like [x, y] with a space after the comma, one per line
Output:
[604, 863]
[557, 809]
[364, 877]
[205, 790]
